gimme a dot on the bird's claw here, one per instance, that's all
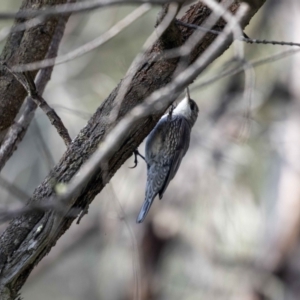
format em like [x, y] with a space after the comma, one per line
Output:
[136, 153]
[245, 36]
[135, 161]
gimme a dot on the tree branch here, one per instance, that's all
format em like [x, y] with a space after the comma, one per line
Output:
[29, 85]
[23, 47]
[88, 47]
[18, 130]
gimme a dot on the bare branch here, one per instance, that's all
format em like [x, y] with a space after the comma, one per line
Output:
[29, 85]
[19, 128]
[8, 214]
[23, 47]
[78, 7]
[88, 47]
[20, 27]
[240, 38]
[14, 190]
[253, 63]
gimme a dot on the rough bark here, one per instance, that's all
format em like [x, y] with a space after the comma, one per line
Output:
[23, 47]
[30, 236]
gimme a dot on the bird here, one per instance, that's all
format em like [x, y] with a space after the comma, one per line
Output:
[166, 145]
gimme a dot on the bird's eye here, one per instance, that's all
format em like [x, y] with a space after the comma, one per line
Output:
[192, 105]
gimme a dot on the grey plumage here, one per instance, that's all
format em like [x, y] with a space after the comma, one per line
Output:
[166, 145]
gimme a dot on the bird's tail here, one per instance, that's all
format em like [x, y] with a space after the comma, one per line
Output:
[144, 210]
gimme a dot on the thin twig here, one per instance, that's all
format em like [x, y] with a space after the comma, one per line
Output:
[253, 63]
[88, 47]
[14, 190]
[267, 42]
[79, 113]
[186, 49]
[237, 31]
[78, 7]
[26, 80]
[6, 215]
[20, 27]
[45, 151]
[240, 38]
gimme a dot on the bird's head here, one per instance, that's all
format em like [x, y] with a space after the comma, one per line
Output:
[187, 108]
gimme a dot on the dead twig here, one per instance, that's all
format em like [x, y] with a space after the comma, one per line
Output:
[26, 80]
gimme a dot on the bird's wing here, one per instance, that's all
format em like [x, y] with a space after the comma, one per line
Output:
[156, 139]
[182, 132]
[156, 175]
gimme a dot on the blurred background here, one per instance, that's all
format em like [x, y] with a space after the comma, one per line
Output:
[228, 225]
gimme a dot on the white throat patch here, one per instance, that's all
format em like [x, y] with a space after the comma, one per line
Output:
[183, 108]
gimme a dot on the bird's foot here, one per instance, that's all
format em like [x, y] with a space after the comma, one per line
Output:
[245, 36]
[136, 153]
[84, 212]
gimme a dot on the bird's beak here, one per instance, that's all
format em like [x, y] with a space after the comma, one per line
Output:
[186, 99]
[187, 96]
